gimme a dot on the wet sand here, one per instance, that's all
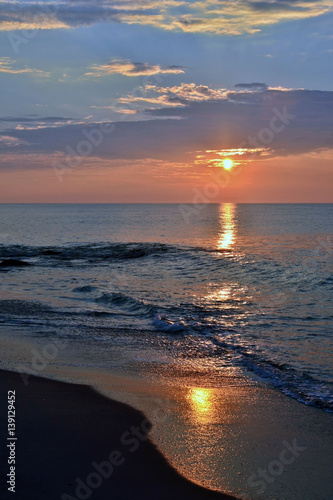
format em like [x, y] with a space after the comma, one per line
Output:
[218, 431]
[73, 443]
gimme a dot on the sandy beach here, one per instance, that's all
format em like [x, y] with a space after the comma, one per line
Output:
[225, 434]
[73, 443]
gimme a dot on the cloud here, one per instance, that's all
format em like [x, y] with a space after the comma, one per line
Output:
[7, 65]
[274, 123]
[129, 68]
[252, 86]
[191, 92]
[35, 122]
[9, 141]
[154, 97]
[34, 118]
[194, 16]
[147, 102]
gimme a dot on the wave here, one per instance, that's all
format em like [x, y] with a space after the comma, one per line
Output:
[85, 289]
[298, 385]
[103, 251]
[8, 263]
[93, 252]
[126, 303]
[113, 306]
[161, 322]
[326, 282]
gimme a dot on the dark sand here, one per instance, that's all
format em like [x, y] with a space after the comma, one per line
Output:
[63, 428]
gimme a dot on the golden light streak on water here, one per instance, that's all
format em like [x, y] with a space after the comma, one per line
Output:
[227, 236]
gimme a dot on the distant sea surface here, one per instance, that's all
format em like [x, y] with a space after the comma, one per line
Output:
[221, 288]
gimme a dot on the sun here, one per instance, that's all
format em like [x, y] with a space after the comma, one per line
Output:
[228, 164]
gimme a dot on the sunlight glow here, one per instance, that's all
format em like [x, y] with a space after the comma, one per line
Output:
[220, 295]
[201, 401]
[231, 158]
[227, 164]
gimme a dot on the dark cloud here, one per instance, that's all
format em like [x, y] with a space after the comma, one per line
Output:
[280, 5]
[271, 6]
[68, 13]
[129, 68]
[34, 118]
[284, 121]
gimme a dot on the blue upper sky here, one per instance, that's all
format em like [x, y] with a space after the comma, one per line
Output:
[293, 53]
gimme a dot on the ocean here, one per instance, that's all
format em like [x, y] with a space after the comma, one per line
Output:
[243, 290]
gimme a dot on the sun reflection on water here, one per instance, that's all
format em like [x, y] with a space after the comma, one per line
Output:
[227, 235]
[202, 404]
[219, 295]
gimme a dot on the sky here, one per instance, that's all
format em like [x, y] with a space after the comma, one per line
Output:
[131, 101]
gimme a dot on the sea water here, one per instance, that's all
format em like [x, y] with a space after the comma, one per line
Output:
[218, 288]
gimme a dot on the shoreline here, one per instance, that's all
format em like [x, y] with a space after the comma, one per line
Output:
[73, 443]
[219, 433]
